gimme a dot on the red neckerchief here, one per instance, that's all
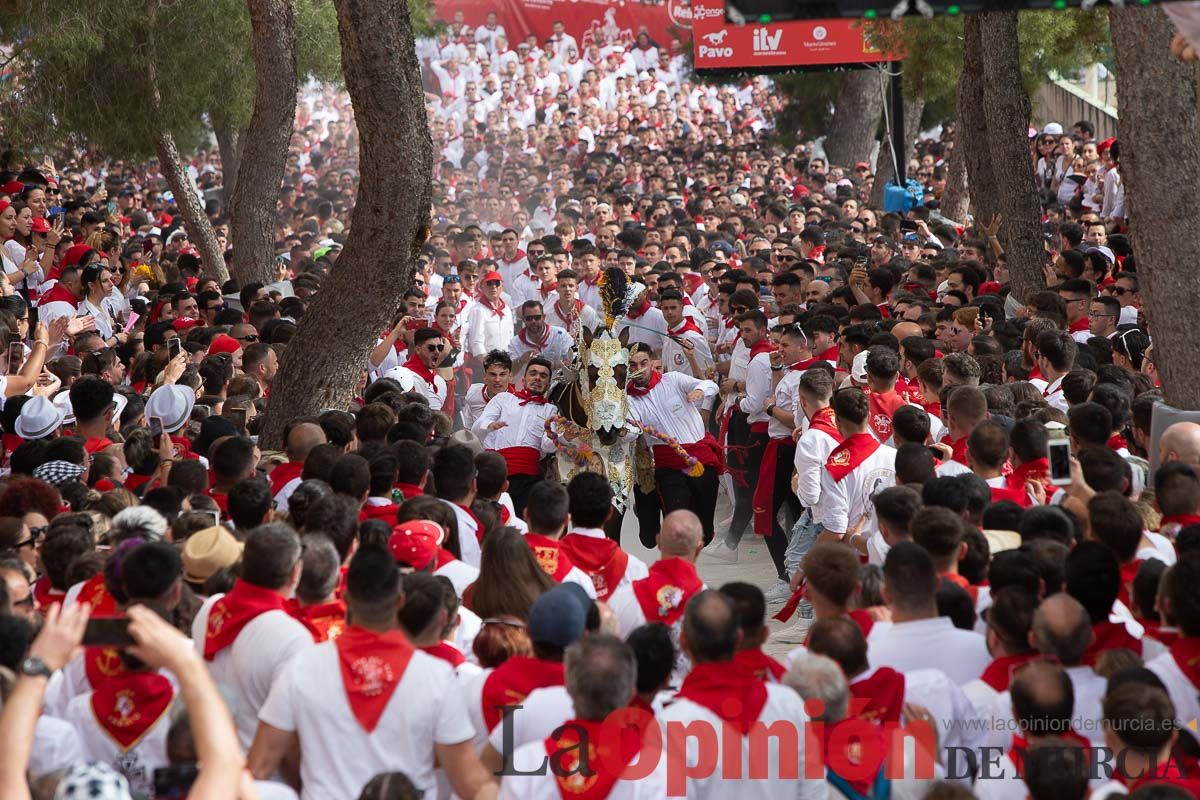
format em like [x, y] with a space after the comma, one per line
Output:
[1182, 520]
[1109, 636]
[1035, 374]
[446, 652]
[883, 407]
[444, 557]
[688, 324]
[1037, 470]
[664, 592]
[385, 512]
[602, 559]
[528, 397]
[1186, 652]
[604, 767]
[535, 345]
[850, 754]
[958, 448]
[418, 368]
[633, 390]
[1016, 751]
[129, 705]
[962, 583]
[475, 519]
[372, 665]
[497, 310]
[881, 695]
[550, 557]
[325, 621]
[133, 481]
[511, 682]
[714, 684]
[546, 290]
[862, 618]
[1170, 773]
[578, 308]
[853, 451]
[761, 665]
[1156, 631]
[244, 603]
[447, 335]
[1117, 442]
[763, 345]
[1078, 325]
[101, 664]
[408, 490]
[182, 447]
[640, 309]
[96, 594]
[1018, 496]
[11, 442]
[999, 673]
[1128, 575]
[45, 594]
[830, 355]
[825, 421]
[283, 474]
[59, 294]
[96, 445]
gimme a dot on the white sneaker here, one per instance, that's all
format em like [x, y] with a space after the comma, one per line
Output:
[778, 593]
[719, 550]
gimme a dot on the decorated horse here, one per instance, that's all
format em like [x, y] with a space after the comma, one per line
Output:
[593, 430]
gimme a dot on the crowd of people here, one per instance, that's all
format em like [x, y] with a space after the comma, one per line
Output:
[408, 600]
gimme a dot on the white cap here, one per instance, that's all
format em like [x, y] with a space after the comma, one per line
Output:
[858, 370]
[643, 76]
[1052, 129]
[172, 404]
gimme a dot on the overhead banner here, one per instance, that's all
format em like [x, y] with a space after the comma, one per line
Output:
[587, 21]
[778, 45]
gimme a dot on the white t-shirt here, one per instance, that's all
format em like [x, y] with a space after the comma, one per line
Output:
[923, 644]
[245, 670]
[339, 755]
[528, 758]
[137, 763]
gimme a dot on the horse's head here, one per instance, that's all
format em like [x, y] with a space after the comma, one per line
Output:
[607, 363]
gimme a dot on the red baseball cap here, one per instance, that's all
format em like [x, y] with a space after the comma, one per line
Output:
[416, 550]
[492, 276]
[182, 324]
[223, 343]
[40, 225]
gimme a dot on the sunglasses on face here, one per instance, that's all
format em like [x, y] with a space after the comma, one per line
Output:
[492, 283]
[535, 317]
[250, 337]
[1119, 291]
[435, 348]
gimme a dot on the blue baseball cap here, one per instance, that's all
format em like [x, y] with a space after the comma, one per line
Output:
[559, 616]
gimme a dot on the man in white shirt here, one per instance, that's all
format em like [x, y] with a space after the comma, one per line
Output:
[601, 679]
[669, 404]
[418, 373]
[514, 425]
[487, 33]
[568, 309]
[644, 322]
[1055, 357]
[497, 376]
[453, 474]
[966, 407]
[489, 321]
[685, 346]
[1178, 667]
[511, 261]
[539, 339]
[369, 702]
[587, 264]
[917, 638]
[247, 636]
[709, 637]
[548, 517]
[586, 543]
[856, 469]
[745, 455]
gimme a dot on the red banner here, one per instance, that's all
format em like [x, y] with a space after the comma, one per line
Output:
[801, 43]
[584, 20]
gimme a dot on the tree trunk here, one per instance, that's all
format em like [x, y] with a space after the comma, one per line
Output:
[885, 172]
[971, 134]
[855, 118]
[227, 145]
[325, 360]
[263, 155]
[1158, 133]
[955, 198]
[197, 224]
[1007, 109]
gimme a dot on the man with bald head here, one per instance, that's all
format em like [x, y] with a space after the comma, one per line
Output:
[1180, 442]
[720, 692]
[1062, 631]
[817, 292]
[299, 441]
[671, 582]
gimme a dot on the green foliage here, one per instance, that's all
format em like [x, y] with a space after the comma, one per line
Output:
[423, 15]
[1051, 41]
[106, 74]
